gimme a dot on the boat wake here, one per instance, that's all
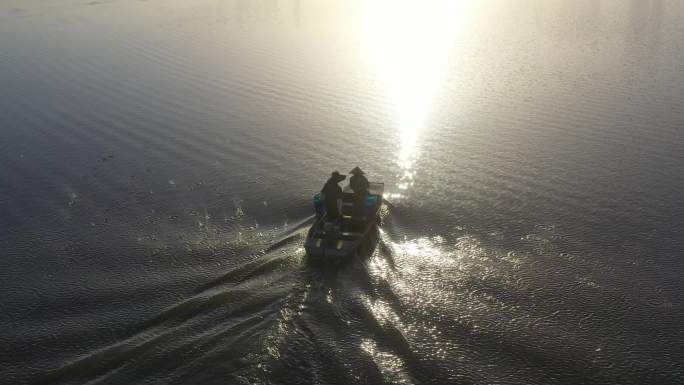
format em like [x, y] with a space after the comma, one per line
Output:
[453, 308]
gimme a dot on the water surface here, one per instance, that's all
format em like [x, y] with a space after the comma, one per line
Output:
[158, 158]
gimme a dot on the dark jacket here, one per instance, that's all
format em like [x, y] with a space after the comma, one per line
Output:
[331, 193]
[359, 184]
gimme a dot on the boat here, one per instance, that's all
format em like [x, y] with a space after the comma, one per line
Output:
[355, 234]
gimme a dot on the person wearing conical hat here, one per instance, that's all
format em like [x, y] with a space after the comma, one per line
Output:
[359, 184]
[332, 196]
[358, 181]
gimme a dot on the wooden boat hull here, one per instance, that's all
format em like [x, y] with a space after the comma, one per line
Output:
[353, 235]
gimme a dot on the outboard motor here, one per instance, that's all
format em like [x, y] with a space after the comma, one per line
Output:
[371, 202]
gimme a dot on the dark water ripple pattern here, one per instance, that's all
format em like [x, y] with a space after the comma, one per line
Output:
[157, 160]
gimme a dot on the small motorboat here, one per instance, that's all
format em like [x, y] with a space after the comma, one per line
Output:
[355, 234]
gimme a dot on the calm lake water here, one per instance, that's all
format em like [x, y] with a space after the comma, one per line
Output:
[158, 159]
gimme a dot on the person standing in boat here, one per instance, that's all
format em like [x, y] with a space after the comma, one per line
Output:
[332, 197]
[359, 184]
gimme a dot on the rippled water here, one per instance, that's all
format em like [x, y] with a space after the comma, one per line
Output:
[158, 158]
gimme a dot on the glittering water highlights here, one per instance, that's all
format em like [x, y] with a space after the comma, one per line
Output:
[411, 64]
[158, 160]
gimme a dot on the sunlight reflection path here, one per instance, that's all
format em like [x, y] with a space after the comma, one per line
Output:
[410, 44]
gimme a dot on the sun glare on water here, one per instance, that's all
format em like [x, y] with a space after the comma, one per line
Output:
[409, 43]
